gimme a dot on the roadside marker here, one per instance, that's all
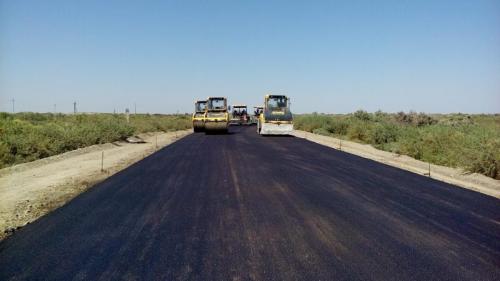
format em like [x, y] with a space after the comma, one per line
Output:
[429, 170]
[102, 161]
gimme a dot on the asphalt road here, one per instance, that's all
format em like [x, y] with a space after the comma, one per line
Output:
[242, 206]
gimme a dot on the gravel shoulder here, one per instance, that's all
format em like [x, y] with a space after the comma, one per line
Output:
[472, 181]
[30, 190]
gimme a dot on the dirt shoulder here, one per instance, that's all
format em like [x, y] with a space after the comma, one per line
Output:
[472, 181]
[30, 190]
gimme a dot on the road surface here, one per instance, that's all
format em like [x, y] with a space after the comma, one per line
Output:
[246, 207]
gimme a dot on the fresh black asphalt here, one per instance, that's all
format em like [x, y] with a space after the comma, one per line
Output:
[245, 207]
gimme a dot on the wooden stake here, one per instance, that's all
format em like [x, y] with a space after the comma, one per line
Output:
[428, 170]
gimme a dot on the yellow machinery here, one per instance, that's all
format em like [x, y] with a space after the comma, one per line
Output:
[199, 115]
[276, 117]
[239, 115]
[216, 116]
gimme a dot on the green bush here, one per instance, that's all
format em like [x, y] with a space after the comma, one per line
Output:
[412, 118]
[149, 123]
[337, 126]
[321, 131]
[362, 115]
[384, 133]
[359, 131]
[482, 155]
[29, 136]
[411, 144]
[311, 122]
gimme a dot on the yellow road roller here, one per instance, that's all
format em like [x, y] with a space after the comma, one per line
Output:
[199, 115]
[276, 117]
[216, 116]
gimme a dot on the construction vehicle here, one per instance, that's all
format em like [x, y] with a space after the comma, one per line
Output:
[216, 116]
[276, 117]
[257, 110]
[198, 119]
[239, 115]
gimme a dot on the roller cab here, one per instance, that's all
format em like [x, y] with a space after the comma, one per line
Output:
[216, 117]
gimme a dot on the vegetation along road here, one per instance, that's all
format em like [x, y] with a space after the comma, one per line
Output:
[242, 206]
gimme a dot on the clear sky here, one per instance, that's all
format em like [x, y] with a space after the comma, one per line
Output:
[328, 56]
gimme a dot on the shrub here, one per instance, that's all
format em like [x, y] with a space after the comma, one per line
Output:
[29, 136]
[321, 131]
[410, 144]
[383, 134]
[361, 115]
[5, 155]
[483, 155]
[423, 119]
[311, 122]
[402, 117]
[337, 126]
[412, 118]
[359, 131]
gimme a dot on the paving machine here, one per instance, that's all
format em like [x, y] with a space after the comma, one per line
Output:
[276, 117]
[216, 116]
[199, 115]
[239, 115]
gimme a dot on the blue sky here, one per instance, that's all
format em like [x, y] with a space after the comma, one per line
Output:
[328, 56]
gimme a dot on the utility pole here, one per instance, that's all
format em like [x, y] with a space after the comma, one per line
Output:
[74, 107]
[13, 101]
[135, 109]
[55, 108]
